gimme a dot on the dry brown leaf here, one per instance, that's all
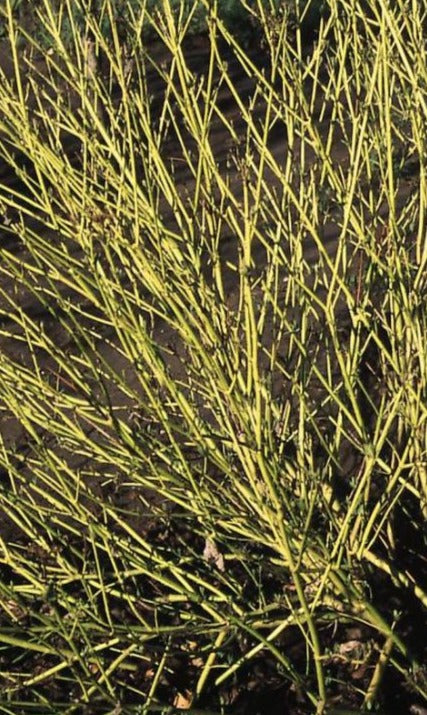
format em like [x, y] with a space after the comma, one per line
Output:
[350, 647]
[183, 700]
[211, 554]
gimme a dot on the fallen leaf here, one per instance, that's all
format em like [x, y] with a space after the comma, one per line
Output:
[350, 647]
[211, 554]
[183, 700]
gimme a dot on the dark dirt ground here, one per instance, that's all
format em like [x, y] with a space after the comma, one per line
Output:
[260, 692]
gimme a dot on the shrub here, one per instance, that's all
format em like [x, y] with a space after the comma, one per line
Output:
[212, 366]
